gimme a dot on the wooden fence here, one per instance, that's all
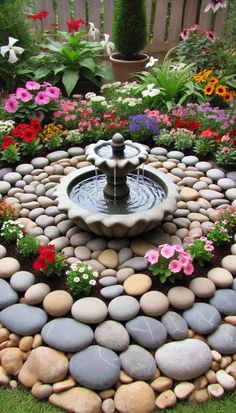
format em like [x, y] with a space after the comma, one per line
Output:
[166, 18]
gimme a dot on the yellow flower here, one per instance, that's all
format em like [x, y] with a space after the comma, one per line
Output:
[209, 89]
[220, 90]
[213, 80]
[228, 97]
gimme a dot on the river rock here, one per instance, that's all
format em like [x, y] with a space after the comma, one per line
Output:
[89, 310]
[36, 293]
[138, 363]
[181, 297]
[175, 325]
[57, 303]
[108, 258]
[183, 390]
[123, 308]
[22, 280]
[137, 397]
[111, 291]
[112, 335]
[202, 318]
[137, 284]
[225, 301]
[147, 332]
[202, 287]
[32, 319]
[229, 263]
[223, 339]
[83, 400]
[8, 296]
[220, 277]
[137, 263]
[154, 303]
[8, 266]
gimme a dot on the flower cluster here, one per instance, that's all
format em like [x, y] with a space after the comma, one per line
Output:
[42, 14]
[142, 125]
[11, 231]
[80, 278]
[223, 229]
[6, 127]
[51, 135]
[7, 211]
[49, 261]
[167, 261]
[201, 249]
[214, 86]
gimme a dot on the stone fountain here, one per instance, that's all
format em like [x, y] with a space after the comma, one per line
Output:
[119, 196]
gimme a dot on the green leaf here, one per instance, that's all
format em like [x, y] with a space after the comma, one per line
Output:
[41, 72]
[69, 80]
[89, 64]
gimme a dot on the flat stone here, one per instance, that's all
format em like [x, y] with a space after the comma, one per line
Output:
[111, 291]
[8, 296]
[60, 243]
[229, 263]
[154, 303]
[188, 194]
[225, 301]
[112, 335]
[209, 194]
[215, 174]
[4, 187]
[223, 339]
[12, 177]
[80, 239]
[221, 277]
[40, 162]
[226, 183]
[184, 360]
[107, 281]
[123, 308]
[231, 194]
[175, 325]
[190, 160]
[108, 258]
[35, 213]
[147, 332]
[43, 364]
[52, 232]
[65, 225]
[137, 397]
[36, 293]
[137, 284]
[83, 400]
[97, 244]
[159, 150]
[22, 280]
[83, 253]
[57, 155]
[202, 318]
[89, 310]
[181, 297]
[183, 390]
[202, 287]
[123, 274]
[203, 166]
[44, 221]
[138, 363]
[8, 266]
[3, 251]
[67, 335]
[52, 211]
[95, 367]
[32, 319]
[137, 263]
[57, 303]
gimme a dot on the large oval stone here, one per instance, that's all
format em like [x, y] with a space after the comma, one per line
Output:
[89, 310]
[225, 301]
[175, 325]
[202, 318]
[184, 360]
[82, 400]
[23, 319]
[8, 296]
[95, 367]
[147, 331]
[112, 335]
[138, 363]
[8, 266]
[137, 397]
[123, 308]
[67, 334]
[223, 339]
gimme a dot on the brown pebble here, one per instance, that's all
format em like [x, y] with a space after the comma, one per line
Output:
[125, 378]
[200, 383]
[108, 406]
[199, 337]
[230, 319]
[190, 333]
[211, 376]
[15, 338]
[161, 384]
[215, 366]
[107, 394]
[64, 385]
[37, 341]
[216, 356]
[166, 399]
[225, 362]
[41, 390]
[199, 396]
[26, 343]
[4, 335]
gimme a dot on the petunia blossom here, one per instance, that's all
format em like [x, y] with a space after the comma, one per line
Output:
[23, 94]
[152, 256]
[42, 99]
[11, 105]
[167, 251]
[31, 85]
[53, 92]
[188, 269]
[175, 266]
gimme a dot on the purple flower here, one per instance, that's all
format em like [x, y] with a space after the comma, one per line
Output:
[53, 92]
[42, 99]
[31, 85]
[11, 105]
[134, 127]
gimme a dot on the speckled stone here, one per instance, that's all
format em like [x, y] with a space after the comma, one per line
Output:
[181, 297]
[112, 335]
[138, 363]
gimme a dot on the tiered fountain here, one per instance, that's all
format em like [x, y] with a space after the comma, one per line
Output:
[117, 197]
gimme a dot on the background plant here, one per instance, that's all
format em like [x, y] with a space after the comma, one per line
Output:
[80, 278]
[27, 245]
[218, 234]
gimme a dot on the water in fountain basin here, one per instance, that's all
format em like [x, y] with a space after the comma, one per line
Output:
[143, 195]
[105, 151]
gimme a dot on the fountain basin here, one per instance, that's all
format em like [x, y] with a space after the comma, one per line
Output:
[110, 224]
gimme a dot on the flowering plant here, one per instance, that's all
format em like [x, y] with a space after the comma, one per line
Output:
[227, 218]
[49, 261]
[226, 151]
[215, 87]
[7, 211]
[143, 126]
[218, 234]
[167, 261]
[51, 136]
[80, 278]
[27, 245]
[11, 231]
[201, 249]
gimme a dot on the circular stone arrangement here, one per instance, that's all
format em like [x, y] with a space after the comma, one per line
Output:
[134, 348]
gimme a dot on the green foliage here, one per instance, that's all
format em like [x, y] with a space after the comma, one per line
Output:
[164, 139]
[31, 148]
[201, 249]
[10, 154]
[218, 234]
[203, 146]
[129, 28]
[54, 142]
[27, 245]
[11, 231]
[225, 155]
[80, 278]
[74, 136]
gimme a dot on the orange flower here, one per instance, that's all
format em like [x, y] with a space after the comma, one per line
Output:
[220, 90]
[228, 97]
[209, 89]
[213, 80]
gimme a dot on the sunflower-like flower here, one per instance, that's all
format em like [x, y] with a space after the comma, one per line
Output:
[220, 90]
[209, 89]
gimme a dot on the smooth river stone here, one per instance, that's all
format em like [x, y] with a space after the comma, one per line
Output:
[22, 280]
[57, 303]
[138, 363]
[36, 293]
[223, 339]
[137, 397]
[23, 319]
[8, 266]
[4, 187]
[8, 296]
[225, 301]
[123, 308]
[154, 303]
[202, 287]
[108, 281]
[89, 310]
[184, 360]
[181, 297]
[229, 263]
[111, 291]
[188, 194]
[147, 332]
[175, 325]
[95, 367]
[209, 194]
[220, 277]
[137, 263]
[202, 318]
[44, 221]
[3, 251]
[83, 400]
[231, 194]
[215, 174]
[67, 335]
[112, 335]
[137, 284]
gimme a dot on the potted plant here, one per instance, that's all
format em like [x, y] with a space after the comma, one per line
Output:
[130, 37]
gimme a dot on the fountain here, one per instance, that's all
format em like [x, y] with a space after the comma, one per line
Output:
[119, 196]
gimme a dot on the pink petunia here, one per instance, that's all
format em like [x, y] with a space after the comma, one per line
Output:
[11, 105]
[42, 99]
[188, 269]
[175, 266]
[208, 247]
[31, 85]
[178, 248]
[167, 251]
[152, 256]
[23, 94]
[53, 92]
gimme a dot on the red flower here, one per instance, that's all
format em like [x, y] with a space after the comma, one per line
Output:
[28, 134]
[43, 14]
[234, 142]
[39, 264]
[179, 123]
[193, 124]
[7, 141]
[19, 129]
[207, 133]
[232, 133]
[74, 25]
[217, 136]
[48, 252]
[36, 125]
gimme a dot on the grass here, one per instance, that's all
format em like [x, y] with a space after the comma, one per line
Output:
[21, 401]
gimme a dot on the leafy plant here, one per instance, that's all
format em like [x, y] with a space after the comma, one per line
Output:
[11, 231]
[165, 138]
[7, 211]
[227, 218]
[218, 234]
[201, 249]
[183, 138]
[27, 245]
[80, 278]
[10, 154]
[49, 261]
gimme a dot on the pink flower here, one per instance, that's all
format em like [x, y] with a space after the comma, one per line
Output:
[184, 259]
[167, 251]
[31, 85]
[208, 247]
[41, 98]
[152, 256]
[185, 34]
[214, 5]
[53, 92]
[188, 269]
[23, 94]
[225, 150]
[225, 138]
[175, 266]
[11, 105]
[178, 248]
[203, 239]
[211, 36]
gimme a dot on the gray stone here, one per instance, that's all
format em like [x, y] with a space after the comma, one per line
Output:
[175, 325]
[118, 243]
[67, 335]
[147, 331]
[112, 335]
[80, 239]
[23, 319]
[137, 263]
[60, 243]
[123, 274]
[44, 221]
[39, 162]
[52, 211]
[22, 280]
[138, 363]
[203, 166]
[190, 160]
[89, 310]
[202, 318]
[75, 151]
[209, 194]
[4, 187]
[223, 339]
[64, 226]
[52, 232]
[97, 244]
[159, 150]
[24, 168]
[111, 291]
[12, 177]
[35, 231]
[226, 183]
[229, 263]
[231, 175]
[3, 251]
[83, 253]
[40, 190]
[124, 255]
[215, 174]
[8, 296]
[225, 301]
[57, 155]
[95, 367]
[123, 308]
[4, 171]
[107, 281]
[35, 213]
[231, 194]
[175, 155]
[184, 360]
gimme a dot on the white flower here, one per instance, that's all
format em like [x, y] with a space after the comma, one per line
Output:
[151, 91]
[76, 279]
[178, 67]
[106, 44]
[90, 95]
[151, 62]
[95, 274]
[13, 50]
[73, 266]
[81, 269]
[97, 99]
[93, 31]
[85, 276]
[92, 282]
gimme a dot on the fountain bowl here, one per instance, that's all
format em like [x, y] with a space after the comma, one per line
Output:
[116, 225]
